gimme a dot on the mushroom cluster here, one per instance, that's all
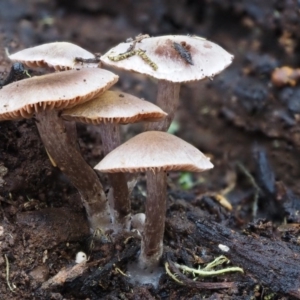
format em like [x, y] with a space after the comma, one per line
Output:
[111, 109]
[44, 97]
[108, 111]
[177, 59]
[80, 95]
[155, 153]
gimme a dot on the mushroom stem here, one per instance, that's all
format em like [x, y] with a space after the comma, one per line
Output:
[152, 237]
[72, 133]
[110, 135]
[167, 99]
[54, 136]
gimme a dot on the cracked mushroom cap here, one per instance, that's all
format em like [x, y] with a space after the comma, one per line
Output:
[175, 58]
[21, 99]
[58, 55]
[114, 107]
[157, 151]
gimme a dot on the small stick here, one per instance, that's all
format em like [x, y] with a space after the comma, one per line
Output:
[7, 274]
[118, 270]
[254, 184]
[138, 39]
[173, 276]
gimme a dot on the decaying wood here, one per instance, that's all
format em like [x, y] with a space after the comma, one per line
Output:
[52, 226]
[271, 262]
[64, 275]
[99, 278]
[101, 274]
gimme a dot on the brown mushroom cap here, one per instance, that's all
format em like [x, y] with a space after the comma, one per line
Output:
[114, 107]
[157, 151]
[58, 55]
[23, 98]
[208, 58]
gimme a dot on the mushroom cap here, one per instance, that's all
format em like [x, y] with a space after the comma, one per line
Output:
[21, 99]
[156, 151]
[208, 58]
[114, 107]
[58, 55]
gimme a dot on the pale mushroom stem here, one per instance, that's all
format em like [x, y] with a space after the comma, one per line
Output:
[120, 204]
[167, 99]
[58, 145]
[152, 237]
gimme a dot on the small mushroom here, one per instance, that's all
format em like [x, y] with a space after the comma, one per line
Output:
[58, 55]
[80, 257]
[172, 59]
[45, 96]
[138, 222]
[108, 111]
[155, 153]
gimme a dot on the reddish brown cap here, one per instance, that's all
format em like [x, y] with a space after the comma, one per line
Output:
[114, 107]
[175, 58]
[58, 90]
[156, 151]
[59, 55]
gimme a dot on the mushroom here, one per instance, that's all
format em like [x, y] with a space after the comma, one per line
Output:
[155, 153]
[108, 111]
[45, 96]
[172, 59]
[58, 55]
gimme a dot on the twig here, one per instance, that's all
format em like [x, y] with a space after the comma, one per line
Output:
[173, 276]
[137, 39]
[254, 184]
[7, 274]
[118, 270]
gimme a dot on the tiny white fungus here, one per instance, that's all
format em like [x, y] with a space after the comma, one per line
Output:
[1, 230]
[223, 248]
[80, 257]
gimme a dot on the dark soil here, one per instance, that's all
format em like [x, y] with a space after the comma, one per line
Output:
[248, 125]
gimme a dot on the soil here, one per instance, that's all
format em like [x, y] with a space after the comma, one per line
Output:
[245, 121]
